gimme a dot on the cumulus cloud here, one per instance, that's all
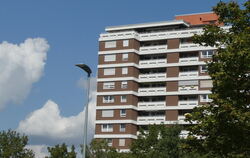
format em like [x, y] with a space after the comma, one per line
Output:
[39, 150]
[20, 66]
[82, 83]
[47, 121]
[47, 126]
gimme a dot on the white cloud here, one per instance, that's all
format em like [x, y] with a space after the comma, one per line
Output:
[48, 121]
[82, 83]
[47, 126]
[39, 150]
[20, 66]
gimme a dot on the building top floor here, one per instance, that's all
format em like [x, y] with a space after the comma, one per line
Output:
[199, 19]
[149, 27]
[180, 22]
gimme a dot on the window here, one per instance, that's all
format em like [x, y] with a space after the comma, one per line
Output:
[121, 142]
[109, 71]
[109, 141]
[183, 112]
[207, 54]
[188, 98]
[109, 58]
[186, 40]
[122, 127]
[125, 43]
[108, 99]
[124, 70]
[205, 98]
[124, 84]
[107, 113]
[110, 44]
[203, 68]
[123, 113]
[108, 85]
[123, 98]
[107, 128]
[188, 68]
[125, 57]
[206, 83]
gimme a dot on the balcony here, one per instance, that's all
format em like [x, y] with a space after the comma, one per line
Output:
[189, 45]
[153, 49]
[192, 46]
[181, 118]
[169, 34]
[188, 103]
[151, 105]
[152, 91]
[188, 60]
[150, 119]
[189, 74]
[184, 134]
[120, 35]
[152, 77]
[188, 88]
[155, 62]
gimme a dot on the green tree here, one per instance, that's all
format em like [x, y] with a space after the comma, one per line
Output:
[222, 127]
[12, 144]
[158, 141]
[99, 149]
[61, 151]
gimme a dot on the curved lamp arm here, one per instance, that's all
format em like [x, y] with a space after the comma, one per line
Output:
[85, 68]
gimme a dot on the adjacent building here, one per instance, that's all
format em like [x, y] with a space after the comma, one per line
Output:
[150, 73]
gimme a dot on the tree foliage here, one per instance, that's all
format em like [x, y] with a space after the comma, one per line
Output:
[61, 151]
[158, 141]
[161, 141]
[222, 127]
[12, 144]
[99, 149]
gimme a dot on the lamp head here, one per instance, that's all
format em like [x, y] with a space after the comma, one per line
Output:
[85, 68]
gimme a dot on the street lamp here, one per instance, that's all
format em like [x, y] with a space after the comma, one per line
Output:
[88, 70]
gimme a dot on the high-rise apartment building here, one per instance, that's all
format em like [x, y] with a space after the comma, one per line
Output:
[150, 73]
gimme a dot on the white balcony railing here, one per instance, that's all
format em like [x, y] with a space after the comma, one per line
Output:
[181, 117]
[188, 88]
[150, 119]
[154, 62]
[206, 100]
[189, 45]
[152, 90]
[155, 76]
[120, 35]
[150, 36]
[188, 74]
[188, 103]
[153, 49]
[151, 105]
[181, 33]
[168, 34]
[184, 134]
[188, 60]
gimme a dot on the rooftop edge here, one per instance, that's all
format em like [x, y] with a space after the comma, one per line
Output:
[143, 25]
[194, 13]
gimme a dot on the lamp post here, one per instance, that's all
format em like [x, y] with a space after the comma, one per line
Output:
[88, 70]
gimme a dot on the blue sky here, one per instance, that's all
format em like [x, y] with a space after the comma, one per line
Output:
[72, 28]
